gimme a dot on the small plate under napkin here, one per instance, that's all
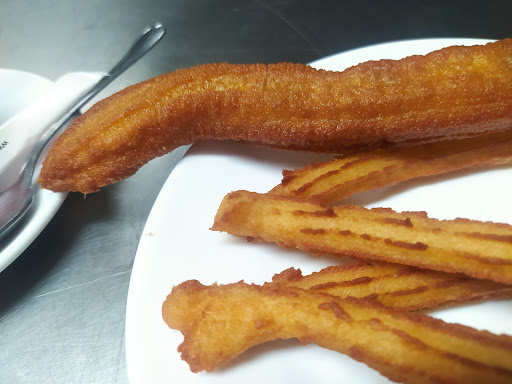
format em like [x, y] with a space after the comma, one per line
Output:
[31, 103]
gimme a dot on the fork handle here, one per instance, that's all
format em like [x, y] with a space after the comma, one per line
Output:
[143, 45]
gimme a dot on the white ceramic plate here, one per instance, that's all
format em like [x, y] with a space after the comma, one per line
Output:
[177, 245]
[17, 90]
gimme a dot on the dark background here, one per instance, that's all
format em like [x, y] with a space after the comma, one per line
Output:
[90, 35]
[62, 302]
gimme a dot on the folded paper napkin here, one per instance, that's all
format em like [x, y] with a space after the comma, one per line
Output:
[20, 133]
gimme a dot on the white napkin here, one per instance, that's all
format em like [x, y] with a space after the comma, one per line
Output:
[20, 133]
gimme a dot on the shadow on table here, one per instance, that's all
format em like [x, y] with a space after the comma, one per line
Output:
[37, 264]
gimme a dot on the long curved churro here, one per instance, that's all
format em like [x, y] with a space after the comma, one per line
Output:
[451, 93]
[331, 181]
[222, 322]
[478, 249]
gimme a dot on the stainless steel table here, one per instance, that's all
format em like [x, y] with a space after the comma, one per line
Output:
[62, 302]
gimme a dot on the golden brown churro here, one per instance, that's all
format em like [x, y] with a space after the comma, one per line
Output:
[395, 285]
[478, 249]
[221, 322]
[451, 93]
[331, 181]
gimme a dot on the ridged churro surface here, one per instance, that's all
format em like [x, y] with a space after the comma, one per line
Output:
[395, 285]
[478, 249]
[221, 322]
[331, 181]
[450, 93]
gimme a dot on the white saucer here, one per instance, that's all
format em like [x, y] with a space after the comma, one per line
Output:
[17, 90]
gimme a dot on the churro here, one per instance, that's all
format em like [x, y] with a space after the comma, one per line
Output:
[455, 92]
[331, 181]
[478, 249]
[395, 285]
[224, 321]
